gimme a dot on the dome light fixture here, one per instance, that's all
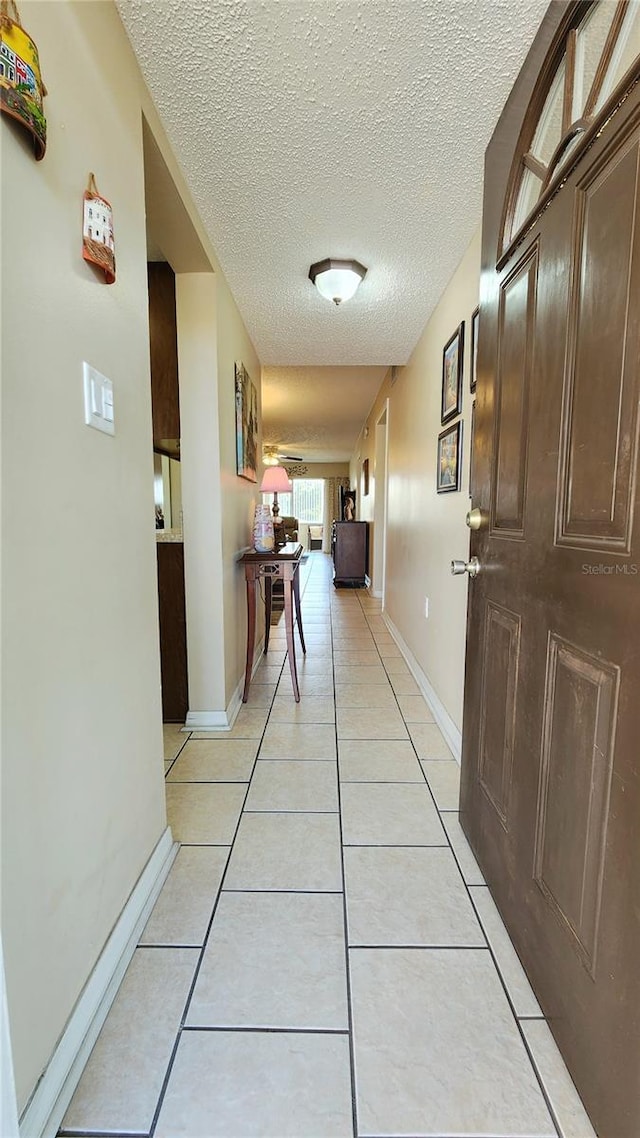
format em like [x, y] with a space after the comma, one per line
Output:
[337, 280]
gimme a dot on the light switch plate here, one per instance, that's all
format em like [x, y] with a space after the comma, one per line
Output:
[98, 400]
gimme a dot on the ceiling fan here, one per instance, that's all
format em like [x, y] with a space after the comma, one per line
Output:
[271, 456]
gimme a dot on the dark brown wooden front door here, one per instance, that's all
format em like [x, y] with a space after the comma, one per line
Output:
[550, 794]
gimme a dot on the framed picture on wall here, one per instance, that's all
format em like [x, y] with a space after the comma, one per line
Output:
[473, 375]
[449, 458]
[452, 375]
[365, 477]
[246, 425]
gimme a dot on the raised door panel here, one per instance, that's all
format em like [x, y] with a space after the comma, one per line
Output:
[516, 327]
[575, 779]
[600, 423]
[498, 706]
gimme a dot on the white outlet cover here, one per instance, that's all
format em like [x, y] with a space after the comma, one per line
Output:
[98, 400]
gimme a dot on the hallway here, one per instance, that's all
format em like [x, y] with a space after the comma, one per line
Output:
[244, 1011]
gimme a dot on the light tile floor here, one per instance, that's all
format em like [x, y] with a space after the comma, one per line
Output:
[324, 959]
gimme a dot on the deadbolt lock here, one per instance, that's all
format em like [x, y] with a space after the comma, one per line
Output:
[477, 518]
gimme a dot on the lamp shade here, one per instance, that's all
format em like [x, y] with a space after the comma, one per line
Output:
[337, 280]
[275, 480]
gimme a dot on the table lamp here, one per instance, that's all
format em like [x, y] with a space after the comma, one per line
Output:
[275, 480]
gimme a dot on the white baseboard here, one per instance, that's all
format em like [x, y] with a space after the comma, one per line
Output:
[222, 720]
[45, 1110]
[8, 1106]
[451, 733]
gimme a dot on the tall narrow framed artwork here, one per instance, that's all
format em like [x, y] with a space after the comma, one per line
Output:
[452, 357]
[246, 425]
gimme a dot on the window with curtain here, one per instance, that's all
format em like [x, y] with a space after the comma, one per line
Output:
[306, 503]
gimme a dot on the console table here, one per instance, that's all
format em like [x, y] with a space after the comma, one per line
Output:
[282, 565]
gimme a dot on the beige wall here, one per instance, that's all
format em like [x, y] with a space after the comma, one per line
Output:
[425, 530]
[239, 496]
[82, 770]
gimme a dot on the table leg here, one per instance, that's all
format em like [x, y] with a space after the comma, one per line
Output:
[291, 647]
[267, 609]
[296, 595]
[251, 635]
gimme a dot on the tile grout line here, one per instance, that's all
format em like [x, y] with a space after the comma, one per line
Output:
[219, 891]
[352, 1057]
[519, 1028]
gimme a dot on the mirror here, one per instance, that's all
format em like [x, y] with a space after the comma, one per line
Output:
[167, 492]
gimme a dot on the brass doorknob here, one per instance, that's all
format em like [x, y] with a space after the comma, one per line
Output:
[477, 518]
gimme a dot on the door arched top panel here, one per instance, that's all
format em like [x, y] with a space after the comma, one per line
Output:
[591, 66]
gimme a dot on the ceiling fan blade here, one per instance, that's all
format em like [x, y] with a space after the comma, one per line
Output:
[290, 457]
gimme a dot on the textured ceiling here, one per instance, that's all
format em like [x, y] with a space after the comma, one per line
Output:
[344, 128]
[317, 412]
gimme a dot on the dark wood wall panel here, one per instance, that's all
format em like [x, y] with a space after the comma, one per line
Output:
[163, 341]
[517, 315]
[601, 385]
[173, 631]
[575, 779]
[498, 712]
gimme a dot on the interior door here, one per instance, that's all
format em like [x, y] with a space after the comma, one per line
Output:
[550, 797]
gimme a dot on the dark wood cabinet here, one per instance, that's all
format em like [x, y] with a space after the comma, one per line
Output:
[350, 552]
[163, 342]
[173, 631]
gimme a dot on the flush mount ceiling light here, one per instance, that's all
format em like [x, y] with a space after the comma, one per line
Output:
[337, 280]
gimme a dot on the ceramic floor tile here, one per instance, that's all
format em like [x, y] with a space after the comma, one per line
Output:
[313, 664]
[404, 684]
[557, 1082]
[286, 851]
[362, 696]
[360, 674]
[215, 760]
[266, 1086]
[511, 970]
[273, 960]
[202, 813]
[174, 739]
[122, 1080]
[260, 695]
[469, 867]
[314, 685]
[389, 814]
[372, 760]
[429, 741]
[354, 643]
[293, 785]
[370, 723]
[266, 674]
[388, 651]
[356, 656]
[299, 741]
[276, 656]
[437, 1051]
[408, 897]
[183, 910]
[396, 666]
[249, 723]
[414, 708]
[444, 780]
[310, 709]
